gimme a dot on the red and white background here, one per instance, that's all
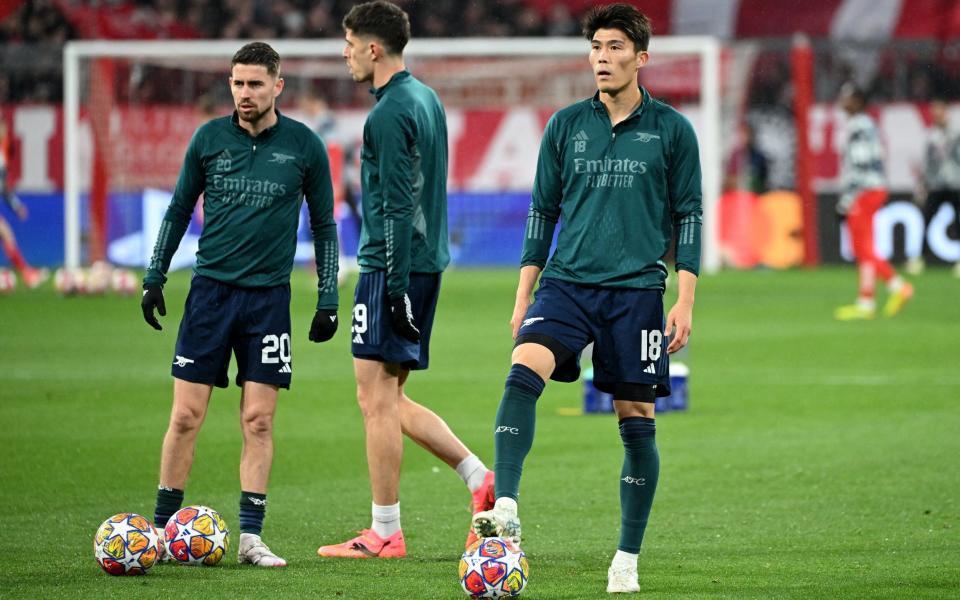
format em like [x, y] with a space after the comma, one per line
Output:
[490, 150]
[493, 149]
[842, 19]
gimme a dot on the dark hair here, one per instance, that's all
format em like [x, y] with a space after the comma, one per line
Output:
[384, 20]
[624, 17]
[851, 90]
[258, 53]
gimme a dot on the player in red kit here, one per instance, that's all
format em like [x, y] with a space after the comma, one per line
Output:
[864, 193]
[31, 277]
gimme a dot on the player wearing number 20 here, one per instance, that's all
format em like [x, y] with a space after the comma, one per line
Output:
[253, 168]
[621, 172]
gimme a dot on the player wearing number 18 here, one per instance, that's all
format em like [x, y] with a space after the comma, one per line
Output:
[253, 168]
[621, 172]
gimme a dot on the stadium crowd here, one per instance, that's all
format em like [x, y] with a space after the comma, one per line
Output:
[39, 28]
[58, 20]
[913, 70]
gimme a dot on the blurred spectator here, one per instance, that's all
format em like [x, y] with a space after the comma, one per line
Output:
[317, 114]
[205, 17]
[529, 23]
[561, 23]
[207, 107]
[36, 21]
[320, 21]
[748, 169]
[940, 181]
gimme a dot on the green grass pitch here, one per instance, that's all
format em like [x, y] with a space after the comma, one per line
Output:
[818, 459]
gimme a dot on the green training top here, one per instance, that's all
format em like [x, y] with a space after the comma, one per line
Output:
[404, 178]
[252, 190]
[621, 192]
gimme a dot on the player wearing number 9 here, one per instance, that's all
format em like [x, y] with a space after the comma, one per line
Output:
[254, 169]
[403, 250]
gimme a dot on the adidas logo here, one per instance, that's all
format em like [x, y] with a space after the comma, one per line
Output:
[650, 369]
[634, 480]
[226, 154]
[580, 142]
[257, 501]
[357, 339]
[285, 369]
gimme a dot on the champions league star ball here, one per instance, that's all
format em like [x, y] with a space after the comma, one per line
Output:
[8, 281]
[70, 281]
[98, 277]
[124, 282]
[493, 568]
[126, 544]
[197, 535]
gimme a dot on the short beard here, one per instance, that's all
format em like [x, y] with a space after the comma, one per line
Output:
[254, 117]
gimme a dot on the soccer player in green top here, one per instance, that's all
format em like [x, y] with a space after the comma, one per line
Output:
[403, 250]
[253, 168]
[621, 170]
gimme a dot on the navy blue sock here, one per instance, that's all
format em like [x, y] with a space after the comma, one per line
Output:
[638, 479]
[253, 507]
[514, 427]
[169, 501]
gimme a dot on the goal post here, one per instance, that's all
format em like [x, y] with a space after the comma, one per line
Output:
[468, 73]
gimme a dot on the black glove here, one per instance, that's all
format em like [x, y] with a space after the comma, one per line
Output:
[153, 298]
[324, 325]
[402, 315]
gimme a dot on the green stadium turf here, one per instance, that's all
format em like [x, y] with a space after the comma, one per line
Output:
[818, 459]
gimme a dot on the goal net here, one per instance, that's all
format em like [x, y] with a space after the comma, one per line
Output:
[130, 109]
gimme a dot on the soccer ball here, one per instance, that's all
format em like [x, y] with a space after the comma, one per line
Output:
[126, 544]
[8, 281]
[70, 281]
[98, 277]
[124, 282]
[197, 535]
[493, 568]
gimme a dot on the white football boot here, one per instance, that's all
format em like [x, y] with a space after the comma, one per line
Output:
[622, 579]
[502, 521]
[254, 552]
[163, 555]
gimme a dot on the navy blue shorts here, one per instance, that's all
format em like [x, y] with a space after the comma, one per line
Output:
[625, 325]
[372, 331]
[218, 318]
